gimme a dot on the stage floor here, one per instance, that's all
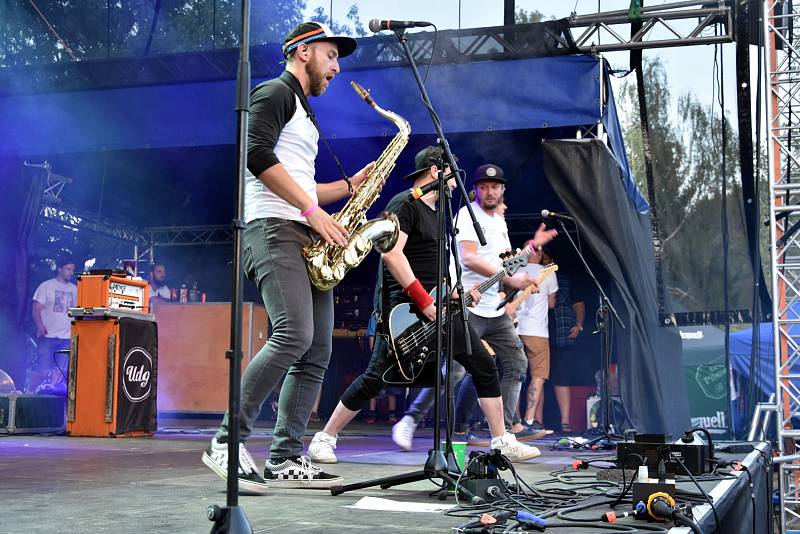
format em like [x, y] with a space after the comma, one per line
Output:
[60, 484]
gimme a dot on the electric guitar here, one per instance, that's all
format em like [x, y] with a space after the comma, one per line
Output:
[412, 340]
[523, 295]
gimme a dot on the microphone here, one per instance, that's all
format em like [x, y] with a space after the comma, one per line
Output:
[378, 25]
[417, 192]
[553, 215]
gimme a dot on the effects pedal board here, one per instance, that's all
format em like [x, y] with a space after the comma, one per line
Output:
[654, 448]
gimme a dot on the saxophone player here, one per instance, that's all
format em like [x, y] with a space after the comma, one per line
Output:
[282, 215]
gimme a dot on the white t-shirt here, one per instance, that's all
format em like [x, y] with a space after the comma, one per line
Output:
[496, 233]
[532, 313]
[296, 149]
[162, 292]
[56, 299]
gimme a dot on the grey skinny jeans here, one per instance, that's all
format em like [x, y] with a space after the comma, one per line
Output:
[301, 339]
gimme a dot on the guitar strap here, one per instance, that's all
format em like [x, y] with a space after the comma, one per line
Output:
[291, 82]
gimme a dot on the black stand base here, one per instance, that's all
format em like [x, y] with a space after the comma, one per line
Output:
[228, 520]
[436, 467]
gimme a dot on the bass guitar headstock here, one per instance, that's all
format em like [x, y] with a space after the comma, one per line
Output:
[512, 262]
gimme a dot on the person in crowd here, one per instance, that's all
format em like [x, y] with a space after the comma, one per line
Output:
[282, 215]
[51, 302]
[566, 329]
[532, 327]
[159, 292]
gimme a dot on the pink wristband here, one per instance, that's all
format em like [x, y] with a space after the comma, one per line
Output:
[309, 211]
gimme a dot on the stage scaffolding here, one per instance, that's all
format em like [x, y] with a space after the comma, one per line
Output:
[143, 240]
[685, 23]
[782, 31]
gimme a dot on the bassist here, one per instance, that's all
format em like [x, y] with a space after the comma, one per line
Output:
[409, 274]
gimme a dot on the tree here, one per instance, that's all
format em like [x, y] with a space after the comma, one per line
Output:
[353, 27]
[94, 29]
[687, 165]
[524, 17]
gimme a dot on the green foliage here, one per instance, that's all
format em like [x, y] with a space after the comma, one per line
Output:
[523, 17]
[354, 27]
[96, 29]
[687, 166]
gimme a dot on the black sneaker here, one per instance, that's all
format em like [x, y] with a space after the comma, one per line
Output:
[298, 472]
[250, 482]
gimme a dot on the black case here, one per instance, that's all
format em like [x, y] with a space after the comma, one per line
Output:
[32, 414]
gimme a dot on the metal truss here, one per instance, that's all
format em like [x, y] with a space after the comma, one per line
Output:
[182, 236]
[168, 236]
[80, 220]
[782, 40]
[666, 25]
[54, 183]
[675, 24]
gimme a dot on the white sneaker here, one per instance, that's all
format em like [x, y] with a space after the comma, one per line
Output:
[403, 432]
[512, 449]
[321, 448]
[250, 481]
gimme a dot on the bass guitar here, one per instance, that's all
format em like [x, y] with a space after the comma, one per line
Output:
[412, 340]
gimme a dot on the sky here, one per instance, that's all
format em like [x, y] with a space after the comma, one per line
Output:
[688, 68]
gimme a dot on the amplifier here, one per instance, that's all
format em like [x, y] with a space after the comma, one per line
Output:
[693, 456]
[32, 414]
[110, 291]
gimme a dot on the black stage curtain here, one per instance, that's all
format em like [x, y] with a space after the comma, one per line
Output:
[586, 177]
[19, 208]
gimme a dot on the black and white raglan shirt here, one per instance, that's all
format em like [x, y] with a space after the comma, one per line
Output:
[280, 130]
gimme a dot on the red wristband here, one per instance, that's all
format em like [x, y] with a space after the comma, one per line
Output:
[418, 295]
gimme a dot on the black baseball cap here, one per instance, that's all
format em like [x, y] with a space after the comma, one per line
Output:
[308, 32]
[424, 159]
[488, 172]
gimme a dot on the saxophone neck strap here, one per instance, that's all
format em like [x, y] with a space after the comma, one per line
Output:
[289, 79]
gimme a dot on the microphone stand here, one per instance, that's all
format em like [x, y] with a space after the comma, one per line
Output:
[437, 465]
[604, 327]
[231, 518]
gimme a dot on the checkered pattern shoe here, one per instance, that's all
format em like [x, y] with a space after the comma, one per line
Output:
[297, 472]
[250, 481]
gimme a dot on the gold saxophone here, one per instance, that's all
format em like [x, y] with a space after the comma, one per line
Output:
[327, 264]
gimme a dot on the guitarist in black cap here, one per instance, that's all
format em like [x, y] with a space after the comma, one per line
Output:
[409, 273]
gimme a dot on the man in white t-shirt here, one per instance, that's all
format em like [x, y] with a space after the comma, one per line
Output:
[51, 301]
[159, 292]
[481, 262]
[533, 331]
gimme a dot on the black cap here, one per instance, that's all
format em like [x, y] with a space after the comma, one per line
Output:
[488, 172]
[308, 32]
[424, 159]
